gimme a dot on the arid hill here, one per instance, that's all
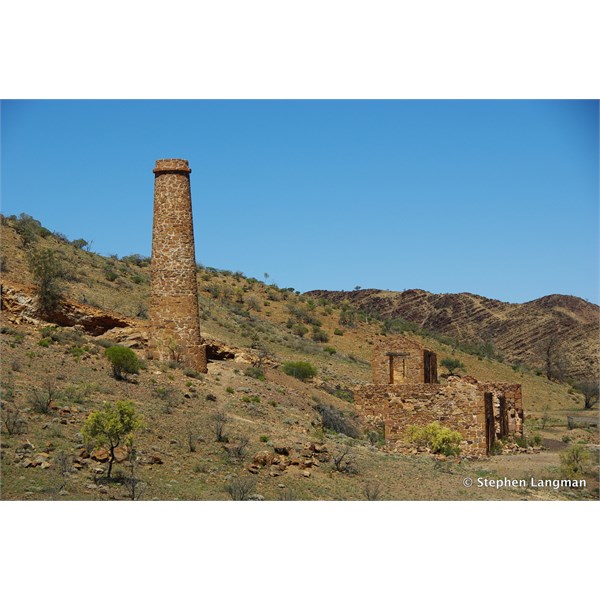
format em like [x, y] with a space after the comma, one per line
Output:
[555, 333]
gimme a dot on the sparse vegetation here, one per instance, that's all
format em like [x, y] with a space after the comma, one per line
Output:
[238, 449]
[44, 396]
[13, 420]
[575, 462]
[335, 420]
[219, 421]
[255, 372]
[241, 488]
[373, 490]
[343, 461]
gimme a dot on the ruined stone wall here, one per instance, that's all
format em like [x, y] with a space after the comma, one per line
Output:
[458, 405]
[508, 407]
[407, 369]
[173, 312]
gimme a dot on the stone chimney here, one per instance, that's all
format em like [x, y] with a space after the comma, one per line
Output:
[174, 315]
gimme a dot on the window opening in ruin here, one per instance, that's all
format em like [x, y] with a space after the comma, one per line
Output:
[397, 365]
[503, 418]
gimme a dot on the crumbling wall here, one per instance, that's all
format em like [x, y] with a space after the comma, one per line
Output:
[458, 405]
[403, 360]
[507, 403]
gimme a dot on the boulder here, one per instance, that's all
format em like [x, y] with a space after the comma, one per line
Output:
[263, 458]
[121, 454]
[100, 455]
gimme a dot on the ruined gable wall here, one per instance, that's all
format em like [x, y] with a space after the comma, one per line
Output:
[401, 344]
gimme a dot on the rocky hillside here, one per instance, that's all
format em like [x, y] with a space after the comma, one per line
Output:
[556, 334]
[54, 374]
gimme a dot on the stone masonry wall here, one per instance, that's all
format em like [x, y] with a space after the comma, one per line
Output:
[508, 406]
[458, 405]
[173, 312]
[413, 369]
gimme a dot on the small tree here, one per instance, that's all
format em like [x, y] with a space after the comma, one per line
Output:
[575, 461]
[47, 272]
[111, 426]
[123, 360]
[453, 365]
[80, 243]
[219, 421]
[589, 389]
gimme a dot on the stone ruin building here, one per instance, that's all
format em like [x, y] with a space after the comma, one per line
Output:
[405, 391]
[173, 311]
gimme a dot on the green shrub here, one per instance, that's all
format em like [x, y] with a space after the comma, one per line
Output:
[319, 335]
[77, 351]
[192, 373]
[230, 390]
[264, 438]
[29, 228]
[300, 370]
[440, 440]
[338, 332]
[453, 365]
[329, 349]
[521, 441]
[80, 243]
[299, 329]
[255, 372]
[123, 360]
[251, 399]
[496, 448]
[110, 273]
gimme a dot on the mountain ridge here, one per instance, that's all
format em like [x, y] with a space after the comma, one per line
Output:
[557, 333]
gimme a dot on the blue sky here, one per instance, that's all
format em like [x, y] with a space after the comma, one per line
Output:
[494, 198]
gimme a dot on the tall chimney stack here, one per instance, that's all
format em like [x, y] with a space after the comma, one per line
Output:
[174, 315]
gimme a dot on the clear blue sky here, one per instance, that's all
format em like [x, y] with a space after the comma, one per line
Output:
[495, 198]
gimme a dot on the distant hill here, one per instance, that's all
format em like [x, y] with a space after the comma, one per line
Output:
[556, 332]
